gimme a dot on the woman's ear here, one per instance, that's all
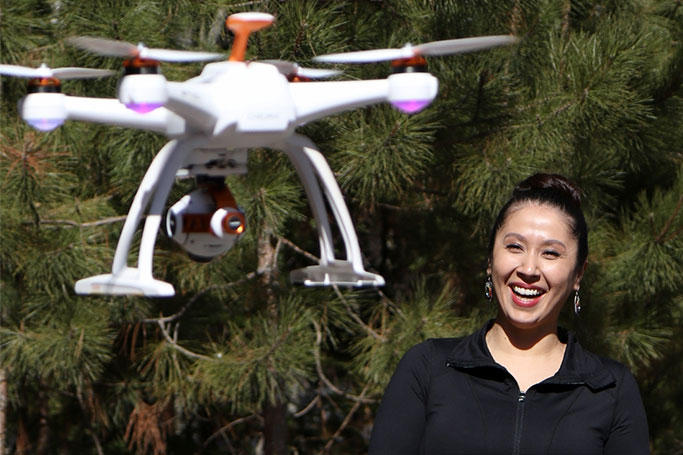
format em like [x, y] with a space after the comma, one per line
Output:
[579, 275]
[488, 267]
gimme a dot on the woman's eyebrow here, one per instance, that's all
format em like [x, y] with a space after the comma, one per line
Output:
[545, 242]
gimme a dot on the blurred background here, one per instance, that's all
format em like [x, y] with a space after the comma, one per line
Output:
[240, 361]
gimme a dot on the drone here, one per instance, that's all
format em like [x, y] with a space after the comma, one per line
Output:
[212, 120]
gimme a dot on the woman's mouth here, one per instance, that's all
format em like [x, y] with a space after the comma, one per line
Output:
[526, 297]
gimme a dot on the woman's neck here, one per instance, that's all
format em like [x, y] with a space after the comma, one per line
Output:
[508, 339]
[529, 355]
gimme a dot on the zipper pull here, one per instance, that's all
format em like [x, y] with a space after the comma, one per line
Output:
[521, 397]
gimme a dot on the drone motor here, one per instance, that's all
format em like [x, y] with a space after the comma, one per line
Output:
[44, 110]
[143, 87]
[416, 64]
[206, 222]
[44, 85]
[137, 65]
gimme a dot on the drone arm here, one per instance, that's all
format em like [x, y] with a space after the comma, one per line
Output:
[408, 92]
[314, 100]
[113, 112]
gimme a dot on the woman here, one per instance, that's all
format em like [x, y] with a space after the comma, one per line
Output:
[519, 385]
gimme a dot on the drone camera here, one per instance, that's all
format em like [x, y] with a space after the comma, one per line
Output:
[227, 221]
[234, 224]
[206, 222]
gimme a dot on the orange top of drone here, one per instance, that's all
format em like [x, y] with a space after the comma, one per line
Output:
[242, 25]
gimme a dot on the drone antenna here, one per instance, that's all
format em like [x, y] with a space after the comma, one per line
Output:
[242, 24]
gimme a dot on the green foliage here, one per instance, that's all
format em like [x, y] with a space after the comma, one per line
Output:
[420, 316]
[265, 360]
[271, 194]
[70, 349]
[392, 154]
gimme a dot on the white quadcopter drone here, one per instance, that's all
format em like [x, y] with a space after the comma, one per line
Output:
[212, 120]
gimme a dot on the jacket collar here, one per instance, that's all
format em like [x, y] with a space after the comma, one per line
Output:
[578, 367]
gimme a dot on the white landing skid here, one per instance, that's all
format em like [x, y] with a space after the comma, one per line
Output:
[127, 282]
[337, 272]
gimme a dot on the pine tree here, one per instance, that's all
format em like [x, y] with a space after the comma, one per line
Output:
[240, 361]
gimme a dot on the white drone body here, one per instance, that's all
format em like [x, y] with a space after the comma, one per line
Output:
[212, 120]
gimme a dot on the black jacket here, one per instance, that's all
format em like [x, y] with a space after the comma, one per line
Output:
[448, 396]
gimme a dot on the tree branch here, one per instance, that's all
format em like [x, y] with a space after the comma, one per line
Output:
[346, 420]
[178, 314]
[324, 379]
[71, 223]
[308, 407]
[670, 221]
[179, 348]
[226, 427]
[298, 249]
[354, 316]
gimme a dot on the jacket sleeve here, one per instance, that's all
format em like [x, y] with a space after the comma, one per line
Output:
[400, 419]
[629, 432]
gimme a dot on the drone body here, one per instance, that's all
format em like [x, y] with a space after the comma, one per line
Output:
[211, 121]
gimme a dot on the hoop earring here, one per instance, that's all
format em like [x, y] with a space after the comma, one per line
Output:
[577, 303]
[488, 289]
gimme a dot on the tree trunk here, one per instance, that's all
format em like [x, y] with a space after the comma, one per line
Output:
[275, 430]
[43, 445]
[275, 434]
[3, 410]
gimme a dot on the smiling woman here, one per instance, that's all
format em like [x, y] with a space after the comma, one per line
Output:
[520, 384]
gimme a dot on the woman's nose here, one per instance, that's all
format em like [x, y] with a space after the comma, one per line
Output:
[528, 267]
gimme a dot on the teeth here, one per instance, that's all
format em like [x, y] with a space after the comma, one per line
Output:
[526, 292]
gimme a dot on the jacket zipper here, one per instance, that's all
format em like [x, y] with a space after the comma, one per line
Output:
[519, 422]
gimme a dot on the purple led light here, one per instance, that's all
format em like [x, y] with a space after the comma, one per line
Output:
[45, 124]
[143, 108]
[410, 106]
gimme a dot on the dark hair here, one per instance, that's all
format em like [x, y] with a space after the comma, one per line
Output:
[554, 190]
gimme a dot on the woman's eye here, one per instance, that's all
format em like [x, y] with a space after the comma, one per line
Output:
[513, 246]
[551, 253]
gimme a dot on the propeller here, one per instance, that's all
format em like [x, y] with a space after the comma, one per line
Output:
[43, 71]
[112, 48]
[435, 48]
[48, 113]
[291, 69]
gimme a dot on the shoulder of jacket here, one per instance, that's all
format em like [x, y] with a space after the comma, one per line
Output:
[440, 349]
[432, 350]
[443, 346]
[619, 370]
[607, 372]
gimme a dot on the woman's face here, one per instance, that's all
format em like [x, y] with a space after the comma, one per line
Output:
[533, 265]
